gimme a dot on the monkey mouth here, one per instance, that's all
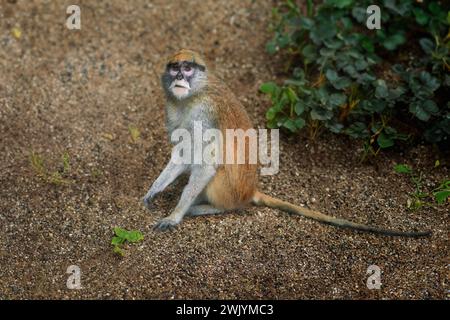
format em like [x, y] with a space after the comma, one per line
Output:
[180, 88]
[180, 84]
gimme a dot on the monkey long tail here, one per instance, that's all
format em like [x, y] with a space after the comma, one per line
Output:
[261, 199]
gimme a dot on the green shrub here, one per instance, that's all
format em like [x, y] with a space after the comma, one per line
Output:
[380, 85]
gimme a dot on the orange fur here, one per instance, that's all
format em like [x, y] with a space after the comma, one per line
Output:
[234, 184]
[187, 55]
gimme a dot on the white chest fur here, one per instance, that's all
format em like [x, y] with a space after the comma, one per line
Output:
[180, 117]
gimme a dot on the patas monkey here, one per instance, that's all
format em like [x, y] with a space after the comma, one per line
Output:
[193, 95]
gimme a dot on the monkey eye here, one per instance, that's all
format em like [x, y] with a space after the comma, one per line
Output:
[174, 70]
[187, 70]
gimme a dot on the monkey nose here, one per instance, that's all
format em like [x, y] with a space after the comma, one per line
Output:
[179, 76]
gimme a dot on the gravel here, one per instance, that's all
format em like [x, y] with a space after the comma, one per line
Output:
[80, 91]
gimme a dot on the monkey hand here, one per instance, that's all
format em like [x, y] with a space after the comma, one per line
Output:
[148, 201]
[165, 224]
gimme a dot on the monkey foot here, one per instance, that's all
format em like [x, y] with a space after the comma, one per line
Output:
[165, 224]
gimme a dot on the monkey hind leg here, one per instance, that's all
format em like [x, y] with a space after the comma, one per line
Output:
[204, 209]
[231, 188]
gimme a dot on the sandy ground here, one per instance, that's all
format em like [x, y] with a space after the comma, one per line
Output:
[80, 91]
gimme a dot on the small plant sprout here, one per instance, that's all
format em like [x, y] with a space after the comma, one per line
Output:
[107, 136]
[134, 133]
[16, 32]
[66, 163]
[437, 163]
[403, 168]
[37, 163]
[122, 236]
[55, 177]
[419, 197]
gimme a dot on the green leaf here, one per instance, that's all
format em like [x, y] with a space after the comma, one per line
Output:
[342, 82]
[384, 141]
[381, 90]
[268, 87]
[357, 130]
[338, 99]
[309, 52]
[419, 111]
[333, 43]
[359, 14]
[331, 75]
[403, 168]
[271, 114]
[321, 95]
[398, 7]
[334, 127]
[421, 16]
[290, 124]
[300, 123]
[367, 44]
[339, 3]
[272, 124]
[445, 185]
[299, 74]
[381, 34]
[327, 52]
[293, 98]
[351, 71]
[435, 8]
[306, 23]
[427, 45]
[324, 30]
[346, 23]
[361, 64]
[431, 107]
[119, 251]
[441, 196]
[297, 83]
[392, 42]
[117, 241]
[299, 107]
[120, 232]
[283, 40]
[396, 93]
[365, 78]
[130, 236]
[271, 47]
[135, 236]
[321, 114]
[354, 53]
[431, 83]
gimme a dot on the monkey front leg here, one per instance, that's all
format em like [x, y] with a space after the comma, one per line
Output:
[167, 176]
[199, 179]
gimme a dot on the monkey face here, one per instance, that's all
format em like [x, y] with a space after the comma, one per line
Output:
[183, 79]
